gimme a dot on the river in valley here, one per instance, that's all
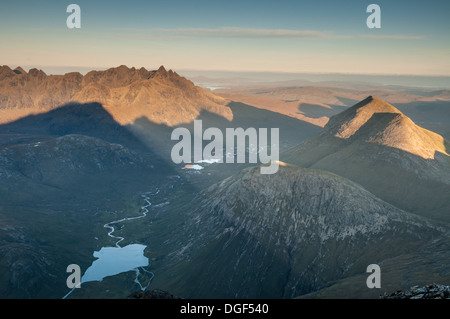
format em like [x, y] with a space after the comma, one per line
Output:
[115, 260]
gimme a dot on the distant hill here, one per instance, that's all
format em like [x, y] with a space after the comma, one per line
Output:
[317, 102]
[377, 146]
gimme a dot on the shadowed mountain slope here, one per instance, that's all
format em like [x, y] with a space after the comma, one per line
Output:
[283, 235]
[59, 172]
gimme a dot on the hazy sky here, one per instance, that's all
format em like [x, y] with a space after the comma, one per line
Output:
[325, 36]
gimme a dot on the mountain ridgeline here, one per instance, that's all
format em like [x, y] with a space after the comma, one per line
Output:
[164, 97]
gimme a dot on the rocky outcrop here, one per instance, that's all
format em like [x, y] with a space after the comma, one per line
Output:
[432, 291]
[152, 294]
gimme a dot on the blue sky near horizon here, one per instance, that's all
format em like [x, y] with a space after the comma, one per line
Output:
[279, 36]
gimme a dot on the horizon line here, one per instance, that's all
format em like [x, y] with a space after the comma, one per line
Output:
[100, 68]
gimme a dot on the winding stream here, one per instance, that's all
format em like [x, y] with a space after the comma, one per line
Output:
[144, 213]
[115, 260]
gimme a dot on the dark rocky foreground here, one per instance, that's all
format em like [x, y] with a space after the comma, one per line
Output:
[433, 291]
[152, 294]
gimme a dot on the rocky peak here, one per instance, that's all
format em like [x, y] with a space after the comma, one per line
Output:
[162, 69]
[376, 121]
[19, 70]
[347, 123]
[36, 73]
[144, 73]
[161, 73]
[6, 72]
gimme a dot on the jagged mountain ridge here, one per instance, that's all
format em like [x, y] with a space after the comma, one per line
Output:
[375, 145]
[127, 93]
[286, 234]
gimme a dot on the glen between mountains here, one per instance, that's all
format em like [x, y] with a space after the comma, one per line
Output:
[364, 185]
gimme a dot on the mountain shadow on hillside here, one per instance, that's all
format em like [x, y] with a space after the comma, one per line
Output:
[90, 119]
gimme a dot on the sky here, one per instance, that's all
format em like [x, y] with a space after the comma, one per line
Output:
[324, 36]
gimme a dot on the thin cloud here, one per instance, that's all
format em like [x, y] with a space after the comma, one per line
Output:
[234, 32]
[255, 33]
[379, 36]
